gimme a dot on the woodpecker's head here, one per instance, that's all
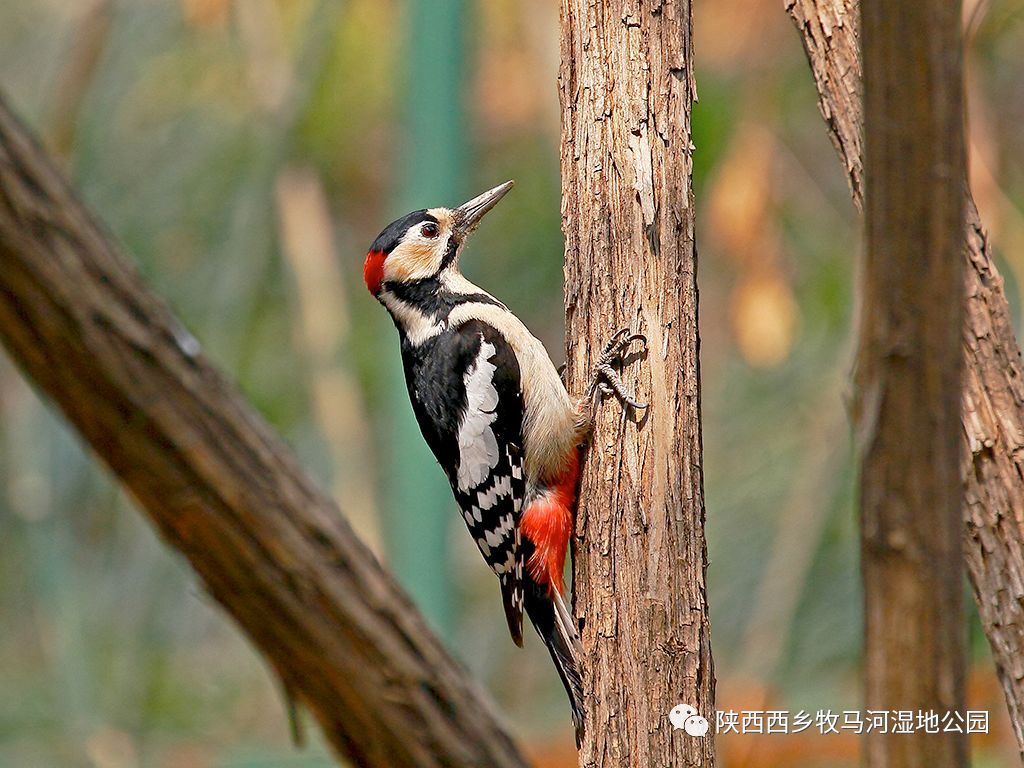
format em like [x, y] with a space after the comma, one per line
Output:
[425, 243]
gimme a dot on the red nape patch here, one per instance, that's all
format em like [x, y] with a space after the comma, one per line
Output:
[547, 522]
[373, 270]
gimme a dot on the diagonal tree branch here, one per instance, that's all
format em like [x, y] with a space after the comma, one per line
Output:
[993, 397]
[223, 489]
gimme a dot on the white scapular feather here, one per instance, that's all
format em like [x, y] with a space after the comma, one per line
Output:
[478, 448]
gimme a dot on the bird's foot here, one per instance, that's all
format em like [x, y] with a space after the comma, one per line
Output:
[606, 379]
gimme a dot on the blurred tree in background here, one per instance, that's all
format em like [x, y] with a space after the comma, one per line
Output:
[246, 153]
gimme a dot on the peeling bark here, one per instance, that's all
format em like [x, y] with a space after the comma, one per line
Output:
[626, 86]
[222, 488]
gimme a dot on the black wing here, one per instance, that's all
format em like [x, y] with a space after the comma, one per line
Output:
[466, 392]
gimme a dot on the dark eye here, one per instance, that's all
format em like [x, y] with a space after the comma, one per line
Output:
[429, 230]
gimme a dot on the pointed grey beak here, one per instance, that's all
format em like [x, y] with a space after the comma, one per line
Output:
[468, 215]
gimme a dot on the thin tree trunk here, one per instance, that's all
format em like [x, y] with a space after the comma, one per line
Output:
[626, 86]
[992, 417]
[907, 377]
[223, 489]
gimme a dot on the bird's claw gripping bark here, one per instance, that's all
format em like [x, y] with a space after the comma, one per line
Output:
[605, 379]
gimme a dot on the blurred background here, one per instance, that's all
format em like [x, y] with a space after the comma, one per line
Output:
[246, 152]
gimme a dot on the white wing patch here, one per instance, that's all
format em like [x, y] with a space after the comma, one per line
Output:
[478, 448]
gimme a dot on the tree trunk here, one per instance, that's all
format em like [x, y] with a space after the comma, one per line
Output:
[992, 419]
[626, 86]
[907, 378]
[223, 489]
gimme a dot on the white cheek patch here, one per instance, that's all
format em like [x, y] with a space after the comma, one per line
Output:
[478, 447]
[415, 258]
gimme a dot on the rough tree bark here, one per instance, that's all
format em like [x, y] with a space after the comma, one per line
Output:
[992, 416]
[626, 86]
[908, 374]
[223, 489]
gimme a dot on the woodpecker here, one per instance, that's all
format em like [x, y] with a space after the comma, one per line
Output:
[493, 409]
